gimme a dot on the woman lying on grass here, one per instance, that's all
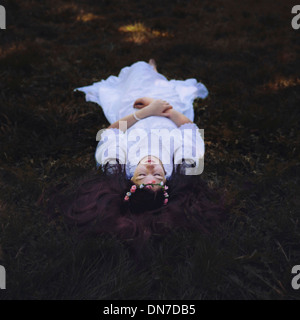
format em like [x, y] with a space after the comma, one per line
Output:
[149, 160]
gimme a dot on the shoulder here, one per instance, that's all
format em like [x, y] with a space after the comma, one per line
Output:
[189, 125]
[106, 132]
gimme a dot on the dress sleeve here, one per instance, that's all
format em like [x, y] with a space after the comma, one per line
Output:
[111, 148]
[190, 150]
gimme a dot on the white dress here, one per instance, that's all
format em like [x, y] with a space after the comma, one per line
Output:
[116, 96]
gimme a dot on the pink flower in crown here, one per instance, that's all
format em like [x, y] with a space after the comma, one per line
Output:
[148, 187]
[166, 187]
[126, 198]
[133, 188]
[166, 201]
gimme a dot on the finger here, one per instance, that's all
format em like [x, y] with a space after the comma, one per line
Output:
[168, 108]
[138, 100]
[139, 105]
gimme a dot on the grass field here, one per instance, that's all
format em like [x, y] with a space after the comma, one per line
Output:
[245, 52]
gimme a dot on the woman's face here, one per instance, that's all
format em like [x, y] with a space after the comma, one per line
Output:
[149, 170]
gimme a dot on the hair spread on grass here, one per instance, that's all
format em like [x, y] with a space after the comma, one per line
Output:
[97, 206]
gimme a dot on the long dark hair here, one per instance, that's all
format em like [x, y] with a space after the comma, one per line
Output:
[96, 205]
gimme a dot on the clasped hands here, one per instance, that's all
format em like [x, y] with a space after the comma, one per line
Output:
[152, 107]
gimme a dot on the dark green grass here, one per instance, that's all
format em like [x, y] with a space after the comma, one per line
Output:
[246, 53]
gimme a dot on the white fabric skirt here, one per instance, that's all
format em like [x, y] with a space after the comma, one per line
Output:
[117, 94]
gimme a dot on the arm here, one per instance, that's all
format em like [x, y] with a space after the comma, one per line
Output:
[130, 119]
[155, 108]
[177, 117]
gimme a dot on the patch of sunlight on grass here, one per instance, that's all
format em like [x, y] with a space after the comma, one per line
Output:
[282, 83]
[85, 17]
[137, 27]
[139, 33]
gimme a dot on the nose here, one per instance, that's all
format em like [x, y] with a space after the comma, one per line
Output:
[150, 180]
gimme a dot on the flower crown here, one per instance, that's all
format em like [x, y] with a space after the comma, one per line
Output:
[148, 186]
